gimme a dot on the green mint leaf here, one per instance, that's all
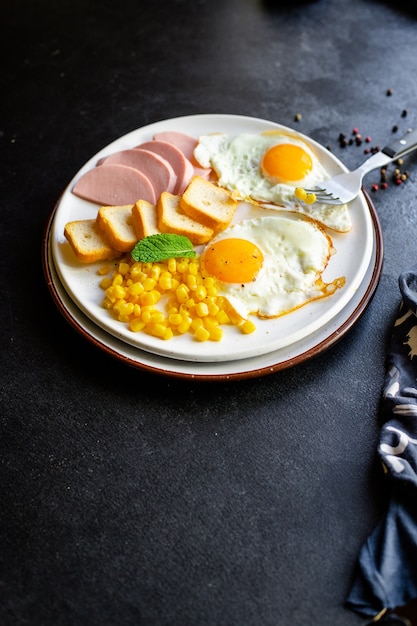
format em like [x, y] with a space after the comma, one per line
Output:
[162, 246]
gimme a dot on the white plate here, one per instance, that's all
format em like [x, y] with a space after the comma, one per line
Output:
[353, 258]
[224, 371]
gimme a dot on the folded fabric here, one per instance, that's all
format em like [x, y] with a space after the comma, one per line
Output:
[387, 566]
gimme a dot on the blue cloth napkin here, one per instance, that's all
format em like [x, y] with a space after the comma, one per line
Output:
[387, 565]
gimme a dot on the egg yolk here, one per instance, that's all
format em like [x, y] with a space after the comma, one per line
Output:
[287, 162]
[233, 260]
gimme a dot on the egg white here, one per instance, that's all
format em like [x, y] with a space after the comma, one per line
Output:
[296, 252]
[236, 159]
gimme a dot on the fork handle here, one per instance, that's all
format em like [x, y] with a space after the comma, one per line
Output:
[394, 150]
[402, 146]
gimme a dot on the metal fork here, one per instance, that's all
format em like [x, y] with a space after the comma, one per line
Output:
[344, 188]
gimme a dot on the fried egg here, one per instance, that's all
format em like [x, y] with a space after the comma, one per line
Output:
[267, 168]
[271, 265]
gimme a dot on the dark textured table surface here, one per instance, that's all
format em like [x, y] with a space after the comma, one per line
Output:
[131, 498]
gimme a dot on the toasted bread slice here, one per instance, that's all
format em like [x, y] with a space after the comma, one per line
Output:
[144, 219]
[88, 242]
[171, 219]
[209, 204]
[117, 225]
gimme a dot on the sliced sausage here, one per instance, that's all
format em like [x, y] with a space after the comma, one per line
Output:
[114, 184]
[183, 142]
[181, 166]
[157, 169]
[186, 144]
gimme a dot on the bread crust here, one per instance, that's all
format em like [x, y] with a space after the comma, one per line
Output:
[88, 242]
[208, 203]
[144, 219]
[116, 224]
[171, 219]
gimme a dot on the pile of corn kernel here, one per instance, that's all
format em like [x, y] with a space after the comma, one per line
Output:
[168, 298]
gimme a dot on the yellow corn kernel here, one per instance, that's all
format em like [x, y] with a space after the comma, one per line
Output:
[210, 322]
[184, 326]
[209, 281]
[193, 268]
[168, 334]
[182, 265]
[216, 333]
[119, 291]
[311, 198]
[105, 283]
[158, 329]
[106, 304]
[135, 289]
[172, 305]
[165, 281]
[222, 317]
[175, 319]
[138, 278]
[300, 193]
[191, 281]
[200, 293]
[117, 279]
[211, 286]
[148, 298]
[201, 309]
[201, 333]
[157, 317]
[155, 272]
[182, 293]
[234, 317]
[136, 324]
[123, 308]
[118, 303]
[136, 268]
[213, 309]
[175, 283]
[127, 309]
[110, 294]
[172, 265]
[123, 268]
[247, 327]
[147, 268]
[197, 322]
[137, 275]
[149, 284]
[190, 304]
[137, 310]
[152, 316]
[103, 270]
[147, 314]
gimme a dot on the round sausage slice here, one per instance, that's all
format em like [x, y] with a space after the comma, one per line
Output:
[186, 144]
[183, 142]
[181, 166]
[157, 169]
[114, 184]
